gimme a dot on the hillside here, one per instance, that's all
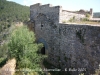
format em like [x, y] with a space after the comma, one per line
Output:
[11, 12]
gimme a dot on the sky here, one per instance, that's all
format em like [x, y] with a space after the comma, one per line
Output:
[71, 5]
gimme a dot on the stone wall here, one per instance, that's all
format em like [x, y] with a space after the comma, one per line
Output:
[47, 33]
[65, 16]
[46, 19]
[80, 47]
[67, 45]
[96, 15]
[55, 13]
[51, 13]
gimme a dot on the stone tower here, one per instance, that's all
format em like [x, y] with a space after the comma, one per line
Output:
[91, 12]
[67, 45]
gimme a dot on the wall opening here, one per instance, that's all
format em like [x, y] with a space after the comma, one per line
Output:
[43, 50]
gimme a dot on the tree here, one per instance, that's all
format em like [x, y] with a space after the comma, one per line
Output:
[22, 46]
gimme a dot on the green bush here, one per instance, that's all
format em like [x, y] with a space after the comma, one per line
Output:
[72, 19]
[4, 50]
[22, 46]
[87, 16]
[64, 21]
[85, 19]
[2, 61]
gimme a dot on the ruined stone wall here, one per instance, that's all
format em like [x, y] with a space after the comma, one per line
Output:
[55, 13]
[52, 13]
[71, 46]
[46, 19]
[80, 47]
[67, 45]
[96, 15]
[47, 33]
[65, 16]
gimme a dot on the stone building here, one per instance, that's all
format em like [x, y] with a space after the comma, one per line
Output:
[67, 45]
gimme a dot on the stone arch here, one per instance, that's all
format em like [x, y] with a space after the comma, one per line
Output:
[44, 48]
[41, 15]
[43, 18]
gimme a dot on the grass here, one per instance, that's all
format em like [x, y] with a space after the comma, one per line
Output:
[84, 22]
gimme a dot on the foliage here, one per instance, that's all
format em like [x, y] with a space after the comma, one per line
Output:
[3, 49]
[22, 46]
[29, 73]
[87, 16]
[72, 19]
[3, 53]
[64, 21]
[13, 12]
[85, 19]
[2, 61]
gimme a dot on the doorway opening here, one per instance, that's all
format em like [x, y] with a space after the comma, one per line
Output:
[43, 50]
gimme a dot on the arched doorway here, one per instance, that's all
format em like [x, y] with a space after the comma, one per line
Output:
[43, 50]
[45, 47]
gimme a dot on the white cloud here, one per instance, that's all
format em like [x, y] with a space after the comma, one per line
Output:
[30, 2]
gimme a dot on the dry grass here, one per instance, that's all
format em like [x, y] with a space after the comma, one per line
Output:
[86, 22]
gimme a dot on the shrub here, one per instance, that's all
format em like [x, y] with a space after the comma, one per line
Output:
[87, 16]
[22, 46]
[72, 19]
[85, 19]
[2, 61]
[64, 21]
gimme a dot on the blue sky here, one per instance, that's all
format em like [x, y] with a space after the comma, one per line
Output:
[66, 4]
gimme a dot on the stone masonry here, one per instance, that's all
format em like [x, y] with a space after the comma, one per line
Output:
[68, 46]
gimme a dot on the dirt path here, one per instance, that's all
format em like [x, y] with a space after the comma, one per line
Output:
[8, 68]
